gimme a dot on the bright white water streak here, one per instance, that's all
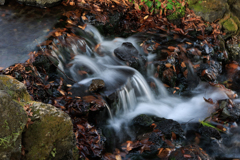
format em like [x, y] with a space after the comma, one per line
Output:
[136, 96]
[176, 108]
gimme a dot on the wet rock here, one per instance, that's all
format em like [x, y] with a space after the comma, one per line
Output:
[210, 70]
[13, 121]
[190, 152]
[50, 136]
[208, 132]
[42, 3]
[210, 141]
[129, 54]
[167, 126]
[142, 124]
[49, 64]
[229, 111]
[14, 88]
[210, 10]
[233, 47]
[96, 85]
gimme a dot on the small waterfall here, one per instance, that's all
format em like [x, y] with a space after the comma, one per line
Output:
[135, 95]
[162, 91]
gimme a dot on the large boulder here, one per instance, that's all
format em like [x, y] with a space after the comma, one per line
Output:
[40, 3]
[209, 10]
[50, 135]
[13, 121]
[14, 88]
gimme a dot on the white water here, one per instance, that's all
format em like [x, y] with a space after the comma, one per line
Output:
[135, 95]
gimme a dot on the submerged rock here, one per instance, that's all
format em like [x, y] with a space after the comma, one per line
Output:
[50, 136]
[13, 121]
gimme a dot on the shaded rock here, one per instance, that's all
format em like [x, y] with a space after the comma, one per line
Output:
[42, 61]
[235, 8]
[2, 2]
[210, 10]
[210, 141]
[230, 26]
[233, 47]
[96, 85]
[190, 152]
[144, 124]
[210, 70]
[40, 3]
[209, 132]
[229, 111]
[14, 88]
[51, 134]
[129, 54]
[13, 121]
[167, 126]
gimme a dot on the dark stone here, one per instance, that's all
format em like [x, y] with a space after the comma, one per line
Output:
[235, 8]
[156, 139]
[228, 111]
[142, 124]
[42, 61]
[129, 54]
[167, 126]
[208, 132]
[210, 71]
[96, 85]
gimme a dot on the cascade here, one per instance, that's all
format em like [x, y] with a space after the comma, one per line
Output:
[135, 95]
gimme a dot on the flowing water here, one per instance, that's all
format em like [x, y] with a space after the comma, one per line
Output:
[135, 95]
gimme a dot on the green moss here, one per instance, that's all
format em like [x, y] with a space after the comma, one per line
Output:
[205, 6]
[14, 88]
[177, 14]
[44, 134]
[230, 25]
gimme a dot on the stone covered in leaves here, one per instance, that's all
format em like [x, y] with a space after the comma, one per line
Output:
[50, 135]
[190, 152]
[13, 121]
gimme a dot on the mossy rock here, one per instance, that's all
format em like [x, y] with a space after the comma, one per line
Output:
[209, 10]
[230, 26]
[50, 136]
[14, 88]
[12, 124]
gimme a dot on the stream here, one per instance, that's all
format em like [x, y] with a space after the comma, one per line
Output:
[141, 77]
[135, 94]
